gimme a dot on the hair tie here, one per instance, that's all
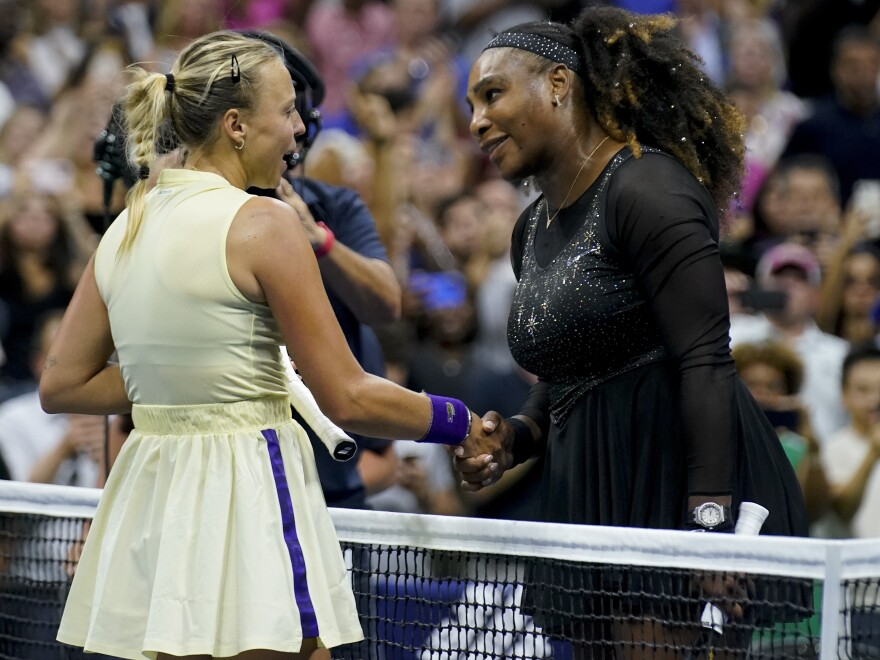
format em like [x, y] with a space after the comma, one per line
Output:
[169, 82]
[144, 173]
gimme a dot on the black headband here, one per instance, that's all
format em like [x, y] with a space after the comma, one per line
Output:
[546, 47]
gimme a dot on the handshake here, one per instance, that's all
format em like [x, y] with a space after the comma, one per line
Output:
[486, 453]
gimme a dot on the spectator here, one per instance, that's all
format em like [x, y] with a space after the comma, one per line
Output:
[811, 29]
[799, 202]
[58, 47]
[339, 35]
[794, 270]
[460, 220]
[439, 74]
[418, 158]
[476, 21]
[702, 29]
[178, 23]
[495, 294]
[767, 223]
[42, 252]
[16, 137]
[15, 75]
[62, 156]
[774, 375]
[852, 455]
[755, 83]
[424, 483]
[851, 286]
[843, 127]
[36, 446]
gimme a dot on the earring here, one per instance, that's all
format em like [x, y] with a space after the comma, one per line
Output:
[239, 147]
[556, 99]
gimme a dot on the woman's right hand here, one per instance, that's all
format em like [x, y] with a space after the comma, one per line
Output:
[484, 456]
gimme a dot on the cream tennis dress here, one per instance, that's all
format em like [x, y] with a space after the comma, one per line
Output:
[212, 535]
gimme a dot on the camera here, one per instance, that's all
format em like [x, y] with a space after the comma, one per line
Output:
[109, 151]
[763, 300]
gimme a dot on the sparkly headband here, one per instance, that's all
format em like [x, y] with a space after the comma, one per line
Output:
[540, 45]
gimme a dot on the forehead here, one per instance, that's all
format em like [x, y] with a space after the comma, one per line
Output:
[504, 63]
[857, 49]
[762, 369]
[275, 82]
[864, 371]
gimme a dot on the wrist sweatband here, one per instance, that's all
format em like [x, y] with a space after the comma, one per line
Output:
[329, 239]
[523, 440]
[450, 421]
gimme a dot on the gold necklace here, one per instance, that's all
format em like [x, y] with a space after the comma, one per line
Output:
[576, 176]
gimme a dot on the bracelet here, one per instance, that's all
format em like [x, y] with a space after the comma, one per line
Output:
[329, 239]
[450, 421]
[523, 440]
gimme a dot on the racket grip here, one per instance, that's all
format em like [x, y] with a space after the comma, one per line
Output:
[337, 441]
[748, 523]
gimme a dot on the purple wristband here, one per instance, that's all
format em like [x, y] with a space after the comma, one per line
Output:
[450, 421]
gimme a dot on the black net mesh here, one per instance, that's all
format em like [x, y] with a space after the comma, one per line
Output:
[417, 603]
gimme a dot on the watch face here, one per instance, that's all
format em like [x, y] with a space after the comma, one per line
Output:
[709, 515]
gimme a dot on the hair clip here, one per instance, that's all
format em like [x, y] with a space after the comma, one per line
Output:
[235, 69]
[144, 172]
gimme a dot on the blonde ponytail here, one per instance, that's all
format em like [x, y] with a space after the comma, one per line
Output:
[146, 109]
[215, 73]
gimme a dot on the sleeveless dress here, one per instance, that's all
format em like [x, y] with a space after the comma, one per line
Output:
[212, 535]
[645, 407]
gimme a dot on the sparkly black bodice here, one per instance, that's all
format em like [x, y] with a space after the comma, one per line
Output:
[621, 310]
[626, 278]
[581, 319]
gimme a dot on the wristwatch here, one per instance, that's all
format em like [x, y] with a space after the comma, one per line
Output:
[710, 515]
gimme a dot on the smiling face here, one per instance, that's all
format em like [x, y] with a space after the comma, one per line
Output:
[272, 127]
[511, 112]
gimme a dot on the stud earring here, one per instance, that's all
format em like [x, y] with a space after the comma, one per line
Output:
[556, 99]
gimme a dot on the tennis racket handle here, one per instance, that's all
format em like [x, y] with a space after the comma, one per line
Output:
[337, 441]
[748, 523]
[750, 519]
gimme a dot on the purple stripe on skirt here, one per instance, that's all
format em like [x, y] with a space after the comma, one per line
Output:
[308, 620]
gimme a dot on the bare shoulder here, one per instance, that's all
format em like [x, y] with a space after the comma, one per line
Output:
[263, 242]
[262, 220]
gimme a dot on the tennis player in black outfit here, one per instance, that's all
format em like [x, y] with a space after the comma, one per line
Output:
[621, 308]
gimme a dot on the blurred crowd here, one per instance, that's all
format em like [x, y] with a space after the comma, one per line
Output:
[801, 244]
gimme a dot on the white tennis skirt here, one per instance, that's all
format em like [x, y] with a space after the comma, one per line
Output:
[212, 537]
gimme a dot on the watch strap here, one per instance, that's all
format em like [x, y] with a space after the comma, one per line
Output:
[726, 518]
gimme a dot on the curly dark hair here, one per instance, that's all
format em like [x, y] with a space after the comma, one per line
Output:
[644, 87]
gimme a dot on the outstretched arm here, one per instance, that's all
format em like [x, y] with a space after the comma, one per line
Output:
[270, 259]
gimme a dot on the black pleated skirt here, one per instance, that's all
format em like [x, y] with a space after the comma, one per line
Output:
[619, 459]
